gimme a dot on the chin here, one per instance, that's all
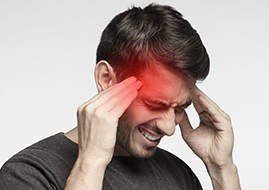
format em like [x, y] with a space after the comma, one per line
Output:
[145, 152]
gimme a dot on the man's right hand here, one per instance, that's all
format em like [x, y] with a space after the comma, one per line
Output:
[97, 129]
[98, 119]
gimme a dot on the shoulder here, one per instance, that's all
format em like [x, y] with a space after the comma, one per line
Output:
[48, 152]
[44, 164]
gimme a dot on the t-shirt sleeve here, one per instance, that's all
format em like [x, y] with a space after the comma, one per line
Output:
[23, 176]
[43, 165]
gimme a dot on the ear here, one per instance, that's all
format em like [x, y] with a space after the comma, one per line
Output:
[104, 76]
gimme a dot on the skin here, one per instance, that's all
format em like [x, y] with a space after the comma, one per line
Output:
[113, 123]
[144, 115]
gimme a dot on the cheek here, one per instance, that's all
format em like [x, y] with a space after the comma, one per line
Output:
[138, 113]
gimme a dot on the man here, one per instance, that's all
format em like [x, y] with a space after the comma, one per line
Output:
[148, 62]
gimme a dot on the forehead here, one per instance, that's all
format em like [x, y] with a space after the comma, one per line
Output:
[166, 85]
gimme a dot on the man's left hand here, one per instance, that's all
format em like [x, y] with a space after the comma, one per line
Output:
[212, 141]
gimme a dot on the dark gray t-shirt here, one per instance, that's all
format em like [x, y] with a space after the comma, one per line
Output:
[47, 165]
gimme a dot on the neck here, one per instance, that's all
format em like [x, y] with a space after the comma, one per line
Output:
[72, 135]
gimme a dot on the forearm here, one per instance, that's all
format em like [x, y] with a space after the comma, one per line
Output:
[224, 178]
[86, 175]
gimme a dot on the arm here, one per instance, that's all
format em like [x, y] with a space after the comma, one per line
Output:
[97, 127]
[212, 141]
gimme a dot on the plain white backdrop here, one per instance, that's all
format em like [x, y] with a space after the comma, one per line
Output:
[47, 58]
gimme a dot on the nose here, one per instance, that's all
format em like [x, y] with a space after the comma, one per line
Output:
[166, 122]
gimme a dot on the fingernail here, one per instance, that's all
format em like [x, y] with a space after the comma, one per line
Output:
[132, 79]
[139, 83]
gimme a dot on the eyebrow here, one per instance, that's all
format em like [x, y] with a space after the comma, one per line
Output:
[162, 103]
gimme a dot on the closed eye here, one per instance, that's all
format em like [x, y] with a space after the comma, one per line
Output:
[156, 107]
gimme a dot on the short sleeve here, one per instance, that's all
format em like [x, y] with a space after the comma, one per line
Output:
[23, 176]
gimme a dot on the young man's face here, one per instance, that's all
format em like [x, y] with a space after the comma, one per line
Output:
[153, 114]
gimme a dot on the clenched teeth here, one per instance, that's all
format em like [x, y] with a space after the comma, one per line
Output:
[150, 137]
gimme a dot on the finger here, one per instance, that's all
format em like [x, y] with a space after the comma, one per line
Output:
[200, 108]
[196, 103]
[103, 96]
[215, 115]
[120, 96]
[185, 126]
[199, 93]
[122, 105]
[91, 100]
[125, 85]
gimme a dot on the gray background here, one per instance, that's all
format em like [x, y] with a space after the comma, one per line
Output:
[47, 57]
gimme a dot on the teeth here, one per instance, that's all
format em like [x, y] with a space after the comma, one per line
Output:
[149, 137]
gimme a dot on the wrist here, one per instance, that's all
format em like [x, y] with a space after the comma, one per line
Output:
[89, 164]
[87, 173]
[224, 177]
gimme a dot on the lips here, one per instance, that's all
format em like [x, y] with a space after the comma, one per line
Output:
[150, 136]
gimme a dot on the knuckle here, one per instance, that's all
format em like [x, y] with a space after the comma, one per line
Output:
[216, 106]
[228, 117]
[85, 110]
[88, 109]
[80, 109]
[98, 112]
[111, 121]
[101, 114]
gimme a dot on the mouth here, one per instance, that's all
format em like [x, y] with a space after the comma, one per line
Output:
[154, 139]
